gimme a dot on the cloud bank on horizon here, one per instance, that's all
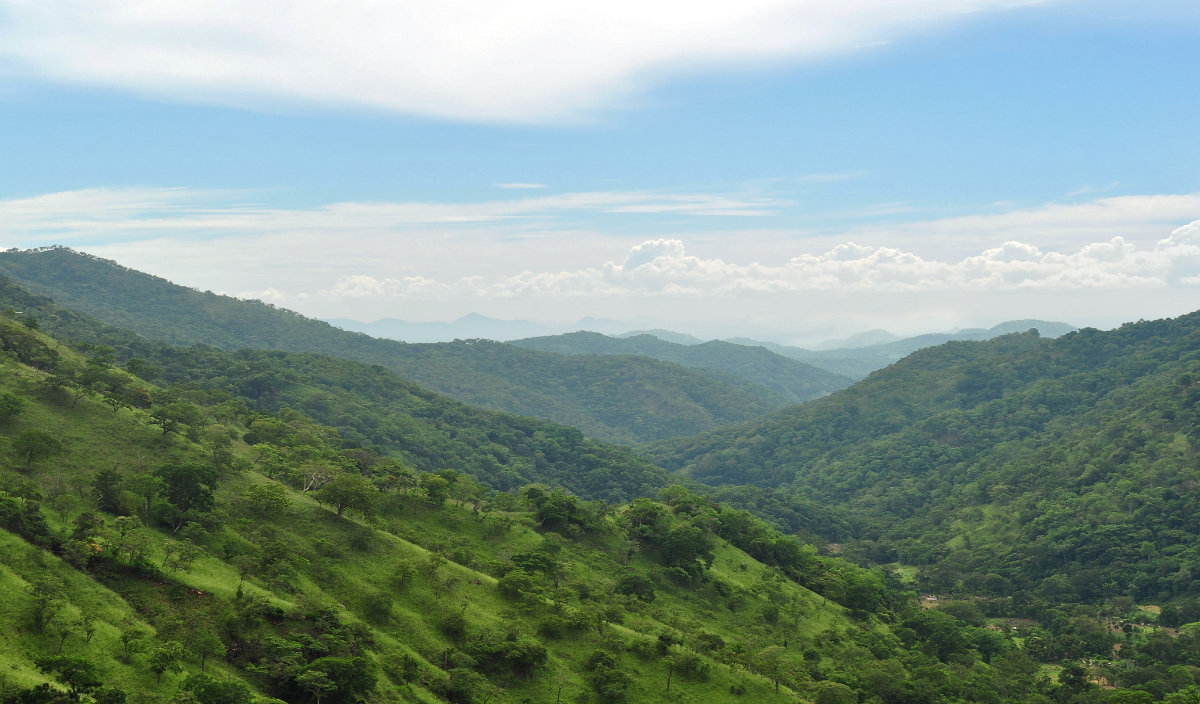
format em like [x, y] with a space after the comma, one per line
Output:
[368, 257]
[532, 61]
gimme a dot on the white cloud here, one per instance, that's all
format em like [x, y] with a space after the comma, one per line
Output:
[663, 268]
[522, 61]
[272, 295]
[545, 251]
[358, 286]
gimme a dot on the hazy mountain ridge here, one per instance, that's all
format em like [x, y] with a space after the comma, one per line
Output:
[794, 380]
[474, 326]
[858, 361]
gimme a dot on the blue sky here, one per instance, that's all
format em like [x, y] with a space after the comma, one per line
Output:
[781, 169]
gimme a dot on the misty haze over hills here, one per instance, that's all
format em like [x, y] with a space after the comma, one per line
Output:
[478, 326]
[853, 357]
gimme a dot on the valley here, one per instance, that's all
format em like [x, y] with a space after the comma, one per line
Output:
[190, 519]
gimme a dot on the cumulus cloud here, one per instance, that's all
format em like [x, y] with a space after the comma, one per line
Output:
[663, 268]
[358, 286]
[527, 61]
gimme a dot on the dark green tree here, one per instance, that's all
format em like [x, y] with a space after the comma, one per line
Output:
[208, 644]
[34, 446]
[47, 594]
[267, 500]
[11, 405]
[189, 489]
[106, 487]
[79, 674]
[165, 657]
[350, 490]
[209, 690]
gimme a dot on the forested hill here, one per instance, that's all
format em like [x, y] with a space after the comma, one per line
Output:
[1064, 467]
[791, 379]
[622, 399]
[857, 362]
[370, 407]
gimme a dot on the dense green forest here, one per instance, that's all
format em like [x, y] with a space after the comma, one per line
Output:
[1061, 468]
[626, 399]
[793, 380]
[163, 545]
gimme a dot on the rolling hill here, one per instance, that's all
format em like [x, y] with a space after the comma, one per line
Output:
[627, 399]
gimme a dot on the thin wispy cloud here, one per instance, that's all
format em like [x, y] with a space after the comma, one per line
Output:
[831, 177]
[531, 61]
[101, 213]
[1053, 225]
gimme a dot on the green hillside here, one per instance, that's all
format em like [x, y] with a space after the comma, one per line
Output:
[627, 399]
[370, 407]
[166, 546]
[789, 378]
[1062, 468]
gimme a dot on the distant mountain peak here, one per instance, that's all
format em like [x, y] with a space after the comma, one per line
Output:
[678, 338]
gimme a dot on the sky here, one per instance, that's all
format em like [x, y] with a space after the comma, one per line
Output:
[787, 170]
